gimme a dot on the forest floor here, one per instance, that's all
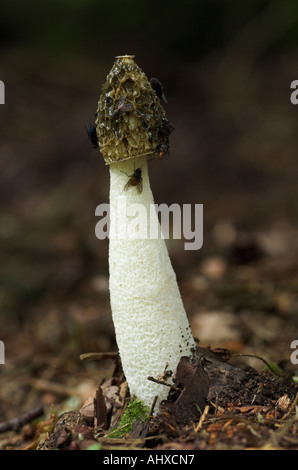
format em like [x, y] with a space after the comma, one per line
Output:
[67, 402]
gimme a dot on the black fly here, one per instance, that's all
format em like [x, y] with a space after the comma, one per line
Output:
[163, 150]
[165, 129]
[92, 135]
[158, 88]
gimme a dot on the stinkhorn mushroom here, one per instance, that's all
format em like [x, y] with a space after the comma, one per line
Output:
[151, 326]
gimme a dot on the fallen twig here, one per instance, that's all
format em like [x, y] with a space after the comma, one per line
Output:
[163, 382]
[203, 417]
[153, 405]
[16, 423]
[97, 356]
[261, 359]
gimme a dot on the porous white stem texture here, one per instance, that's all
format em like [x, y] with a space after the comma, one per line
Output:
[151, 325]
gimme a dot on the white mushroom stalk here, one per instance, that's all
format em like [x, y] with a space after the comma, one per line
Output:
[151, 325]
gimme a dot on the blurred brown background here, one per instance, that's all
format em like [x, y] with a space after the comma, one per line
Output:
[226, 67]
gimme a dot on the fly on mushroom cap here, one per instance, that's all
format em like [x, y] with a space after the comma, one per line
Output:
[129, 115]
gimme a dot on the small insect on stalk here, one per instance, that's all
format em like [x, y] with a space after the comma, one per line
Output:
[92, 135]
[135, 180]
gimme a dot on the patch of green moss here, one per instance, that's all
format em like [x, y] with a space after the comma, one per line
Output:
[95, 446]
[135, 411]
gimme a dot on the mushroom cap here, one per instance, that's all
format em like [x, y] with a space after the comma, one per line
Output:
[130, 120]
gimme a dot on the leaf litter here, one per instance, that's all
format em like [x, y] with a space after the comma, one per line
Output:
[211, 405]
